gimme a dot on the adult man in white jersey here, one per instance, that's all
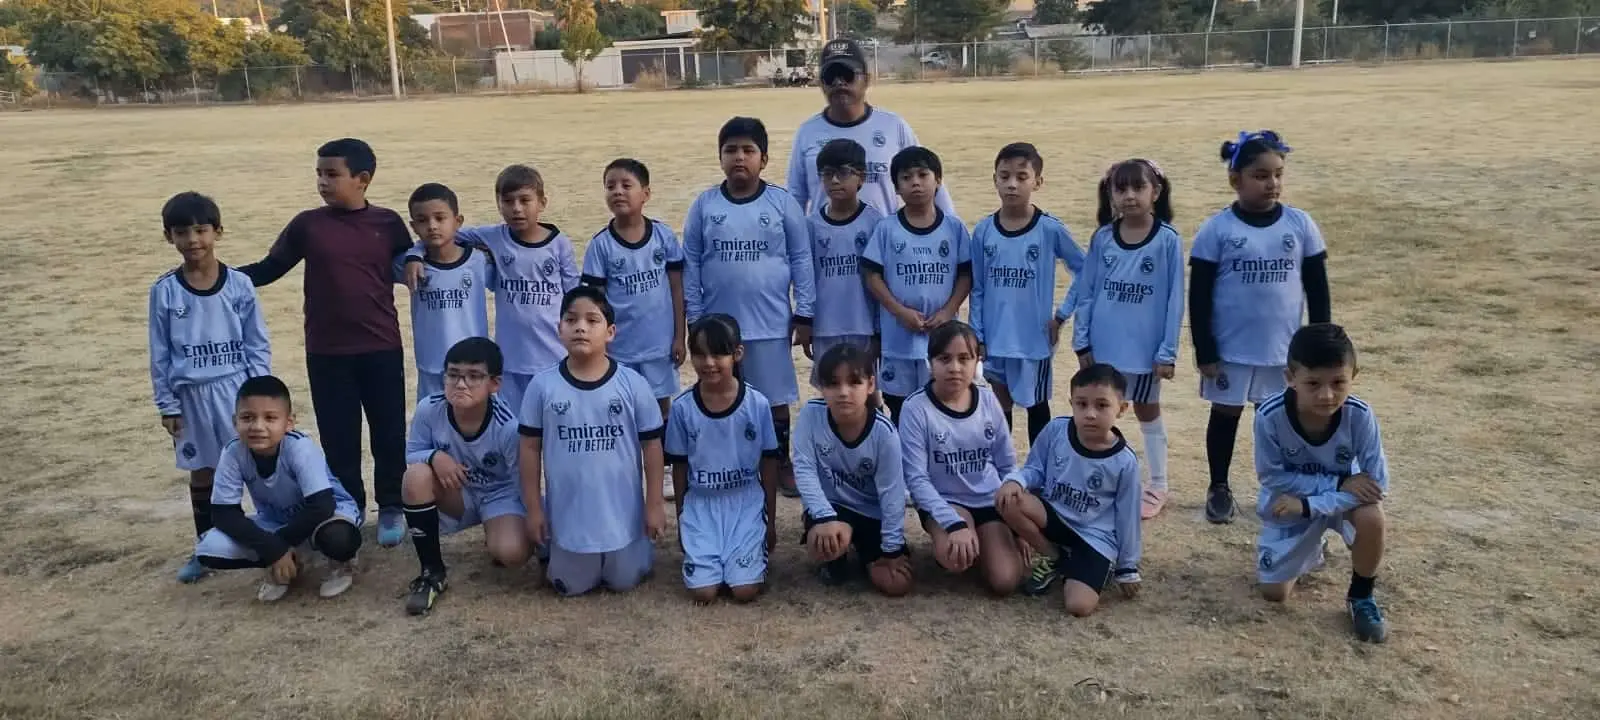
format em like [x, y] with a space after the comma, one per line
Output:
[844, 80]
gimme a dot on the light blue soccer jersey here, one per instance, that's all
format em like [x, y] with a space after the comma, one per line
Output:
[1288, 463]
[278, 488]
[743, 257]
[881, 133]
[843, 306]
[1260, 297]
[634, 276]
[449, 305]
[197, 336]
[1130, 299]
[866, 476]
[531, 279]
[1095, 492]
[592, 434]
[960, 456]
[1014, 284]
[489, 456]
[723, 450]
[920, 266]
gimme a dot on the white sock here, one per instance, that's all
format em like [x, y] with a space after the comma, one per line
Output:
[1155, 452]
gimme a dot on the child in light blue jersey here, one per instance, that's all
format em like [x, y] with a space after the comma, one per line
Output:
[1320, 460]
[746, 247]
[918, 268]
[587, 425]
[1257, 267]
[300, 506]
[847, 464]
[461, 469]
[1014, 257]
[840, 229]
[1076, 500]
[535, 263]
[450, 303]
[206, 336]
[956, 449]
[724, 456]
[1130, 302]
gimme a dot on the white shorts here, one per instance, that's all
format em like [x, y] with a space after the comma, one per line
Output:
[661, 374]
[1028, 381]
[1144, 389]
[820, 345]
[900, 377]
[1286, 551]
[429, 383]
[724, 536]
[768, 366]
[207, 421]
[483, 504]
[573, 573]
[216, 544]
[1237, 384]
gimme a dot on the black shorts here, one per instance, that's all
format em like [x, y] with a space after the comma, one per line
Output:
[866, 534]
[1079, 560]
[980, 515]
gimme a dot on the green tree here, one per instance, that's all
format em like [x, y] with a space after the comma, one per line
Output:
[363, 44]
[750, 24]
[948, 20]
[621, 21]
[1055, 12]
[581, 42]
[1138, 17]
[857, 17]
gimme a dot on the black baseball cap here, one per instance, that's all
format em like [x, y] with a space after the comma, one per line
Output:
[843, 52]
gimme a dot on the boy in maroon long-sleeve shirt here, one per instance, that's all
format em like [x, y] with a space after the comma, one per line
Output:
[354, 358]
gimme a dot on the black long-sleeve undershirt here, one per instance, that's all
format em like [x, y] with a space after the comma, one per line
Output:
[270, 546]
[1202, 296]
[1314, 278]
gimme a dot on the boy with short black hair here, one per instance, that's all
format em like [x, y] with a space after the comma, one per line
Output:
[462, 468]
[840, 229]
[918, 268]
[1319, 456]
[450, 302]
[300, 506]
[206, 336]
[587, 425]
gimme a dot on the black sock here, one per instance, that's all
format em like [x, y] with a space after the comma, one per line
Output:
[1220, 433]
[200, 503]
[424, 523]
[1038, 417]
[1360, 587]
[893, 402]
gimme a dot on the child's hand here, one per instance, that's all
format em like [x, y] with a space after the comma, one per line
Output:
[1053, 328]
[829, 540]
[909, 319]
[655, 521]
[1165, 372]
[1364, 488]
[538, 529]
[1128, 581]
[173, 424]
[679, 353]
[1085, 360]
[958, 551]
[450, 473]
[1287, 506]
[1007, 496]
[413, 275]
[801, 335]
[1210, 370]
[939, 318]
[284, 569]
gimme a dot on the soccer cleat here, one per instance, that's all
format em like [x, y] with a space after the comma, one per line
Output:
[1043, 576]
[341, 575]
[193, 572]
[425, 590]
[391, 527]
[1219, 505]
[1367, 620]
[271, 591]
[1151, 503]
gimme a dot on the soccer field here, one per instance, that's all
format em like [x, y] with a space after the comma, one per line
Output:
[1460, 207]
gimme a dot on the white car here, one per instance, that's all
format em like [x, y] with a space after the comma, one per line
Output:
[936, 59]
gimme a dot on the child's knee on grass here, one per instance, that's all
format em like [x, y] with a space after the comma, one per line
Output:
[744, 593]
[1000, 560]
[1080, 599]
[1147, 412]
[704, 595]
[507, 539]
[1277, 592]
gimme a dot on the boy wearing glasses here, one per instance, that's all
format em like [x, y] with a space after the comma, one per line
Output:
[461, 468]
[839, 229]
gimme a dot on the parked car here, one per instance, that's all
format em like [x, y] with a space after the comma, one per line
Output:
[936, 59]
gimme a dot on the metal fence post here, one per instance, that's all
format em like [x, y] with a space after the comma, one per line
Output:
[1268, 62]
[1516, 29]
[1147, 41]
[194, 82]
[1577, 38]
[1094, 50]
[1449, 37]
[247, 94]
[1386, 42]
[1205, 55]
[1036, 58]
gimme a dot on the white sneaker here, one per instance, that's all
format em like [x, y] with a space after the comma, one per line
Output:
[341, 575]
[271, 591]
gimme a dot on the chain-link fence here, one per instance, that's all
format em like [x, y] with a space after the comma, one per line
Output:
[641, 66]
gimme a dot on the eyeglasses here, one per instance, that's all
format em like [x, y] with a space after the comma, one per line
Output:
[471, 379]
[839, 173]
[838, 76]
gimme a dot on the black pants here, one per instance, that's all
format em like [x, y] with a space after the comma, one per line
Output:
[342, 386]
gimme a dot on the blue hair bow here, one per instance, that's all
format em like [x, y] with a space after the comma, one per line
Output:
[1267, 137]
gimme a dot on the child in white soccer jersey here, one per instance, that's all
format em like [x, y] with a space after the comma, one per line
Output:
[300, 506]
[450, 302]
[1130, 303]
[1076, 499]
[1014, 255]
[724, 456]
[918, 269]
[1320, 460]
[746, 247]
[535, 263]
[461, 469]
[1258, 266]
[587, 424]
[956, 449]
[206, 336]
[840, 229]
[847, 464]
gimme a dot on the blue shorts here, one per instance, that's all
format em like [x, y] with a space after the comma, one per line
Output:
[429, 383]
[207, 421]
[1287, 550]
[512, 387]
[216, 544]
[573, 573]
[1028, 381]
[822, 344]
[900, 377]
[768, 366]
[481, 504]
[661, 374]
[724, 536]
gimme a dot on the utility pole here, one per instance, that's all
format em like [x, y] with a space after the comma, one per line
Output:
[1299, 28]
[349, 18]
[394, 57]
[214, 12]
[1335, 12]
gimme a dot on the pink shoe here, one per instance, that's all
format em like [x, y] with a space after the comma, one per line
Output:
[1152, 503]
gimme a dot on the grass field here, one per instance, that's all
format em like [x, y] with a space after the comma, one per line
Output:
[1459, 203]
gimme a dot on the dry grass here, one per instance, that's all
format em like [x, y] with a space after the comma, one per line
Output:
[1460, 205]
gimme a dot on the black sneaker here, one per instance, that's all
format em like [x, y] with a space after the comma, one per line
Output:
[425, 590]
[1219, 505]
